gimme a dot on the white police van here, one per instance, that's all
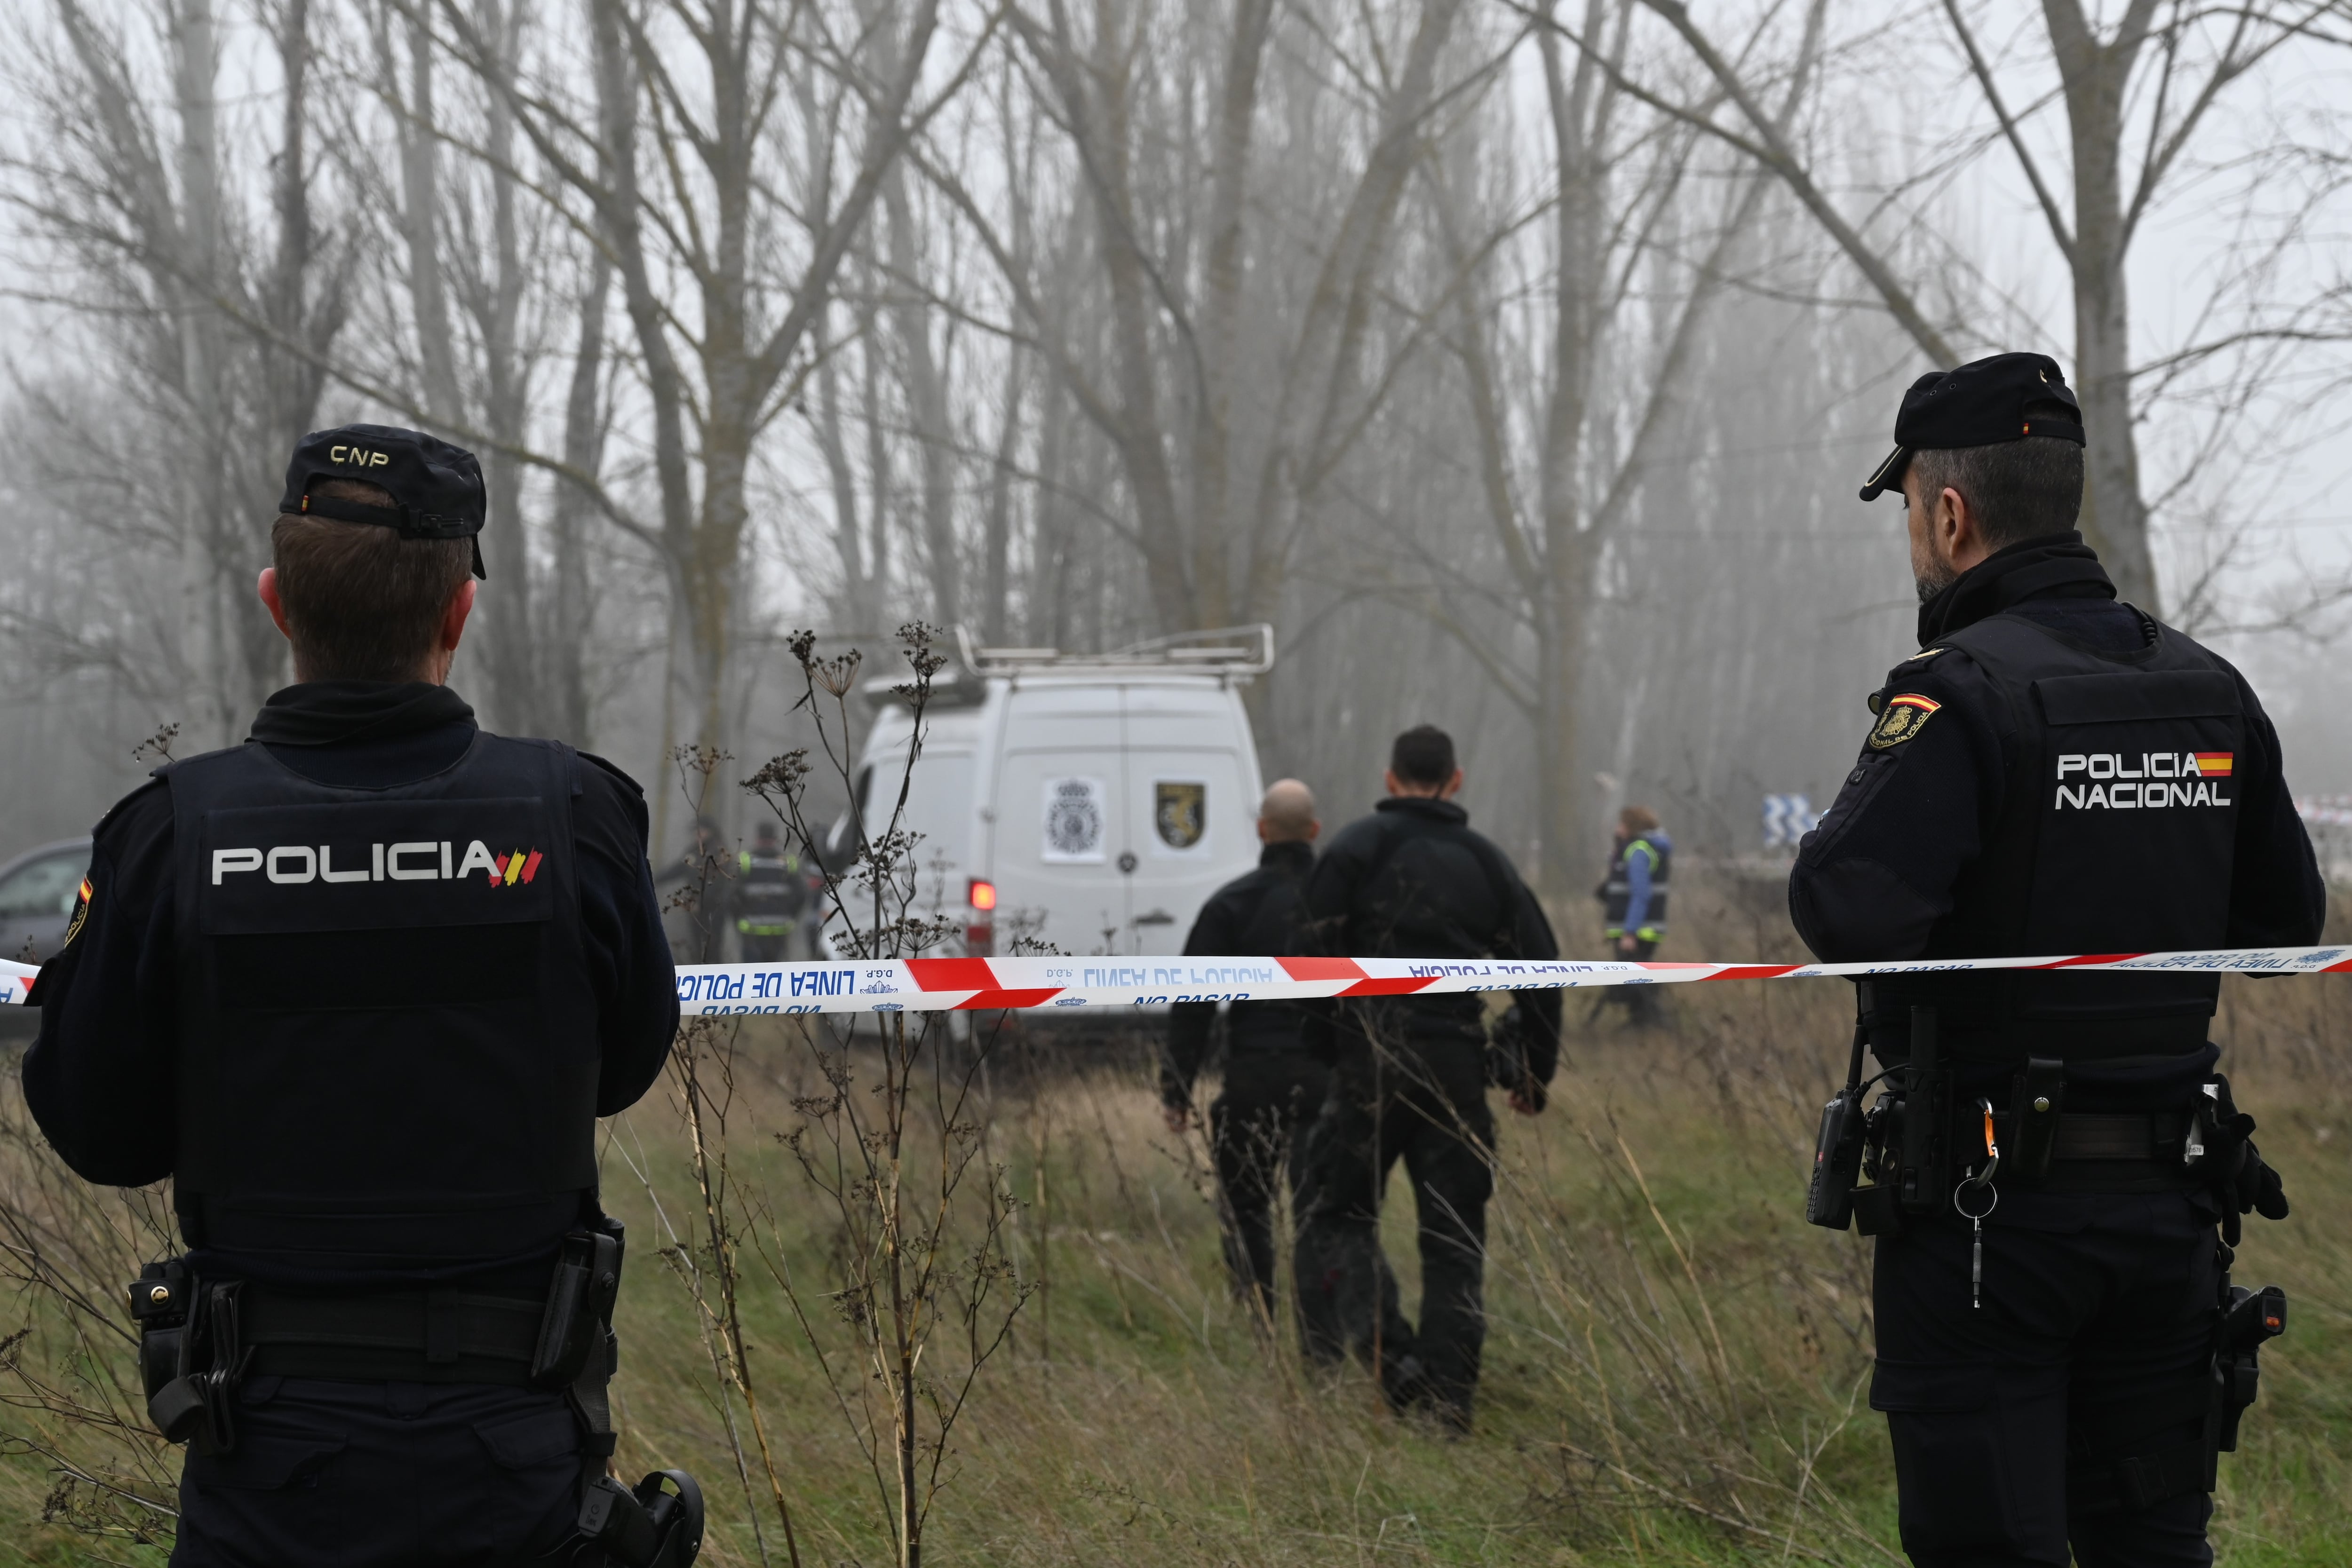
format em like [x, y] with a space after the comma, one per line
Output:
[1091, 802]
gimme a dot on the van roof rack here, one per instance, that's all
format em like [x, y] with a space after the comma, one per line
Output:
[1222, 649]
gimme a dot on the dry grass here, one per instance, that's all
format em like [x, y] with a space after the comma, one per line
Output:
[1676, 1371]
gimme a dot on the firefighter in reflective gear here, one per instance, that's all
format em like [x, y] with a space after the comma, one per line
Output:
[770, 894]
[360, 988]
[1273, 1088]
[2053, 771]
[1409, 1080]
[1634, 907]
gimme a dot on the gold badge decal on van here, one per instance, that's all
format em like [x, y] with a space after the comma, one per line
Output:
[1180, 811]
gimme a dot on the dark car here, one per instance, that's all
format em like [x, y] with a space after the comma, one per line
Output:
[38, 890]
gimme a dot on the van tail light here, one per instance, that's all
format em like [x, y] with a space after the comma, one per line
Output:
[982, 895]
[980, 941]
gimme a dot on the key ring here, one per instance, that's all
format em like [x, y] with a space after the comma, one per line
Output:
[1992, 1192]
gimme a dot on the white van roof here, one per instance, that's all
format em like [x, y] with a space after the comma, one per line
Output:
[1232, 655]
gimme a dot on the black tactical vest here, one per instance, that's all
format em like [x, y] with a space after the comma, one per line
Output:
[2117, 835]
[387, 1044]
[767, 894]
[1616, 890]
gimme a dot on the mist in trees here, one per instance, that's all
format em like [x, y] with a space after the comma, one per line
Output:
[1518, 359]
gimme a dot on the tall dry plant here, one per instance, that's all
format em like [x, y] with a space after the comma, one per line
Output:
[920, 1288]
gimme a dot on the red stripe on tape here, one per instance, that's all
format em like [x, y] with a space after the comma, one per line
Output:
[2080, 958]
[1322, 968]
[1755, 971]
[1389, 988]
[1008, 999]
[952, 974]
[2337, 969]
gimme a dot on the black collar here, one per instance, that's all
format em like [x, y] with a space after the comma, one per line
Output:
[336, 713]
[2057, 566]
[1428, 806]
[1293, 856]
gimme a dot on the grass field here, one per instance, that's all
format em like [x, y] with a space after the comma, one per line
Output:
[1677, 1367]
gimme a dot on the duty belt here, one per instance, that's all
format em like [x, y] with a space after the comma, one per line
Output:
[405, 1336]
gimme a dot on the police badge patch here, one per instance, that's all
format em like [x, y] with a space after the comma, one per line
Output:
[80, 914]
[1180, 811]
[1903, 717]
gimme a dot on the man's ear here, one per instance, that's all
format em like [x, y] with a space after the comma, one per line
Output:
[1314, 829]
[1955, 523]
[1453, 786]
[453, 618]
[268, 589]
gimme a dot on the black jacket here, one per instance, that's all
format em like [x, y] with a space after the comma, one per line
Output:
[1254, 915]
[100, 1078]
[1414, 880]
[1924, 838]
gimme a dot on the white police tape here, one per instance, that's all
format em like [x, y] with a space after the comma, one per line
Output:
[948, 985]
[943, 985]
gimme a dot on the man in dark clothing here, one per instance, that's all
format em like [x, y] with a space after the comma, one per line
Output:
[1410, 1077]
[770, 896]
[360, 988]
[1272, 1088]
[2054, 772]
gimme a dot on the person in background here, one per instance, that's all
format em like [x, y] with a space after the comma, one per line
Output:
[1273, 1088]
[1410, 1075]
[770, 894]
[1634, 907]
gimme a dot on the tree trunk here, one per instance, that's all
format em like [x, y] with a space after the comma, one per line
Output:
[2115, 514]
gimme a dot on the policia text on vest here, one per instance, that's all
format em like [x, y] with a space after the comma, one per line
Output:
[2053, 1169]
[360, 988]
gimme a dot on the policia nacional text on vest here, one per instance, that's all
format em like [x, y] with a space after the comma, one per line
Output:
[2119, 828]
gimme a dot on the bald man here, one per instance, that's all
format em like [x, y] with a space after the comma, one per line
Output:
[1272, 1087]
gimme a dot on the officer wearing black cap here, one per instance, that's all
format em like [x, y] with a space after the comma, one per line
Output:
[360, 988]
[2053, 772]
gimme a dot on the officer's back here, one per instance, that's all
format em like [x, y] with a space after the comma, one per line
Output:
[360, 988]
[1415, 880]
[2054, 772]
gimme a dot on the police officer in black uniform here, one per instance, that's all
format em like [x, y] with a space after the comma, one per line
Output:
[771, 895]
[1410, 1076]
[360, 988]
[2053, 772]
[1273, 1088]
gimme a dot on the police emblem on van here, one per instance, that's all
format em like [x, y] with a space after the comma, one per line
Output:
[1075, 818]
[1180, 811]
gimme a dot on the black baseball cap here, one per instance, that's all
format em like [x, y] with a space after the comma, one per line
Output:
[1982, 403]
[436, 488]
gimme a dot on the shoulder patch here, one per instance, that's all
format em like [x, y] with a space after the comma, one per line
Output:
[80, 914]
[1923, 655]
[1903, 718]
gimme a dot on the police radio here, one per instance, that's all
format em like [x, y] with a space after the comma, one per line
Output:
[1837, 1149]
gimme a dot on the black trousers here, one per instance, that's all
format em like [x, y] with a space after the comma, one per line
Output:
[1426, 1104]
[401, 1475]
[766, 950]
[2093, 1346]
[1259, 1127]
[1643, 1007]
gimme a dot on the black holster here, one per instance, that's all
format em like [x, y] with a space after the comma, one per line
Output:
[191, 1355]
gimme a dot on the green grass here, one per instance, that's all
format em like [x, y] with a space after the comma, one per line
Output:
[1674, 1373]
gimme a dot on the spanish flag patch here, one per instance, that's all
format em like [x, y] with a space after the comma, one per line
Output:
[2215, 764]
[1903, 717]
